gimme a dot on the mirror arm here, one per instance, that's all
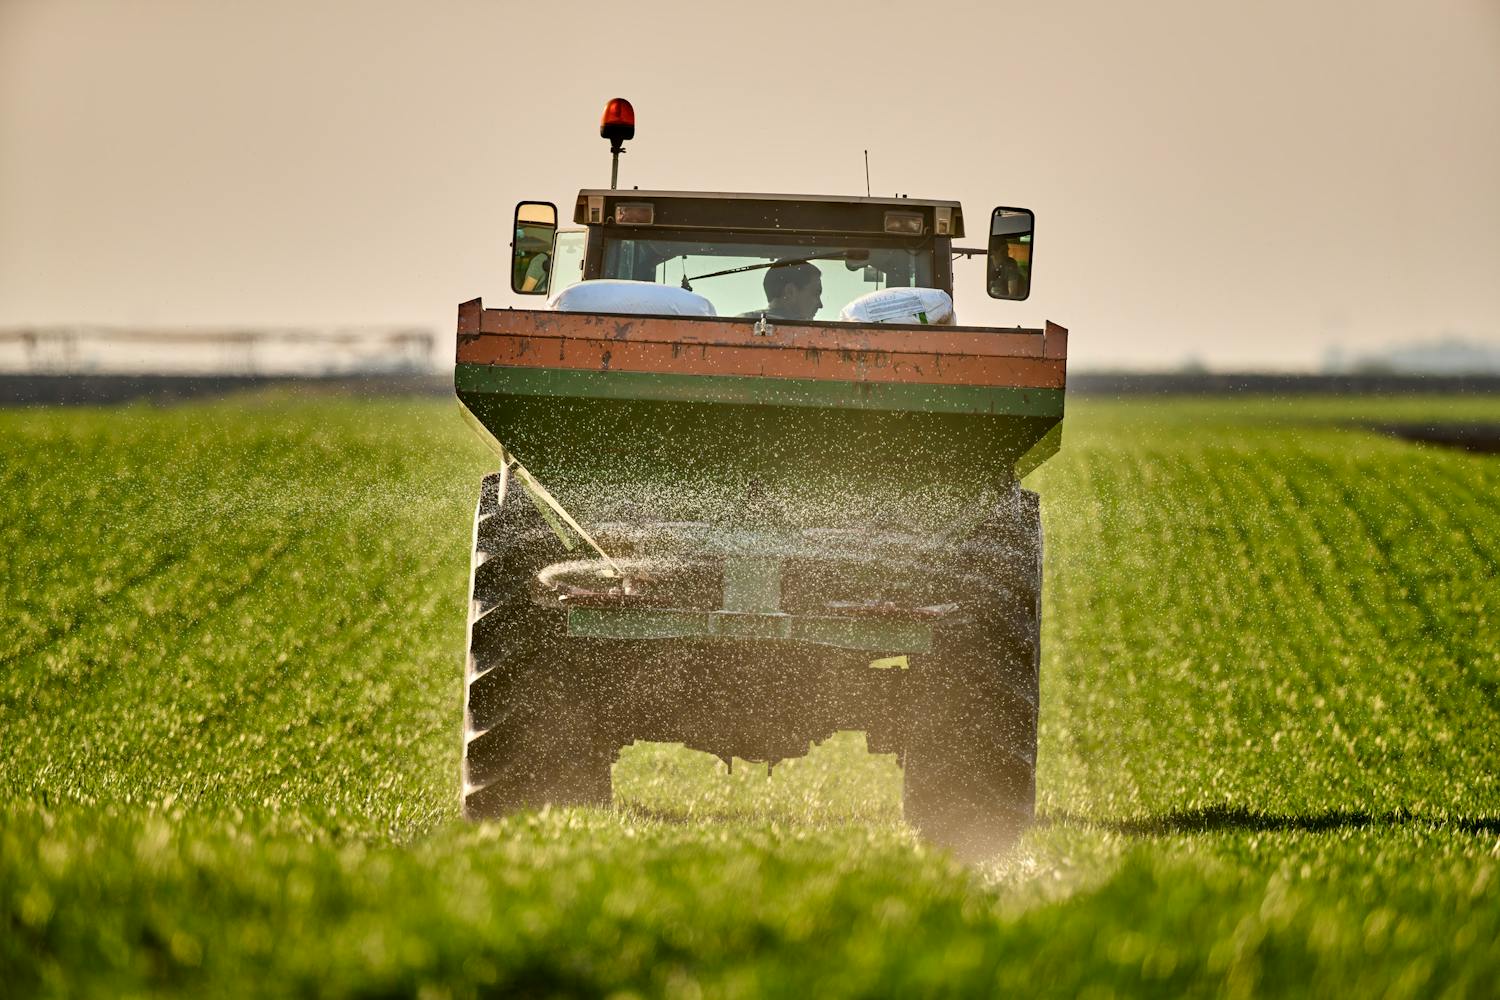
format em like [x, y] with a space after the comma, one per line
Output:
[970, 251]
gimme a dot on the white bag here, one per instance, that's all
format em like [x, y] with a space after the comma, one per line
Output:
[617, 295]
[900, 305]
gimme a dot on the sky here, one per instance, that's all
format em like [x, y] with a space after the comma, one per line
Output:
[1245, 185]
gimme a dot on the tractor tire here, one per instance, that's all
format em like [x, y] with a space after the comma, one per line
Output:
[530, 723]
[969, 763]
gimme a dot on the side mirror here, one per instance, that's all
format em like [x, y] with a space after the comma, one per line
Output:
[531, 250]
[1009, 272]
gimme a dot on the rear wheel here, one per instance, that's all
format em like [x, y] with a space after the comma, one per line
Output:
[531, 724]
[969, 776]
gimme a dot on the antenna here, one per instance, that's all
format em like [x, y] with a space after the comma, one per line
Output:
[867, 173]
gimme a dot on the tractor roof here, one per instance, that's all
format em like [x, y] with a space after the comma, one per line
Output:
[721, 210]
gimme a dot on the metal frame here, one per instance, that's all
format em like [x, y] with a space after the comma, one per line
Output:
[835, 199]
[756, 390]
[736, 213]
[752, 610]
[892, 638]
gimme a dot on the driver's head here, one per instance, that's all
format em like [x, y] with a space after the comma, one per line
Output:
[794, 291]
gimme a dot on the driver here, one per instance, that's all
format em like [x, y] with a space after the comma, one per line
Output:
[793, 290]
[537, 273]
[1007, 280]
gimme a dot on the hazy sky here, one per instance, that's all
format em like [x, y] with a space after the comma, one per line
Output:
[1242, 182]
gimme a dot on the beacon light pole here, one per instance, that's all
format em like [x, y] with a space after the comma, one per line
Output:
[617, 125]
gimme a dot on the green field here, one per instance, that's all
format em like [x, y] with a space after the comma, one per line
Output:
[230, 688]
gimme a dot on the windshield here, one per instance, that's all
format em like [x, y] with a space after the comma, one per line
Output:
[847, 269]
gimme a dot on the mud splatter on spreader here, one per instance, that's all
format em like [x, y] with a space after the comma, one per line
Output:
[707, 527]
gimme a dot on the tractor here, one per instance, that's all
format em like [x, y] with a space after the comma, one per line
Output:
[745, 525]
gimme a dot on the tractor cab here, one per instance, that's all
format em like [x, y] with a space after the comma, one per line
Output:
[724, 246]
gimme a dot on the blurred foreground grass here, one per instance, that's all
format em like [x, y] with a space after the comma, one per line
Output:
[230, 691]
